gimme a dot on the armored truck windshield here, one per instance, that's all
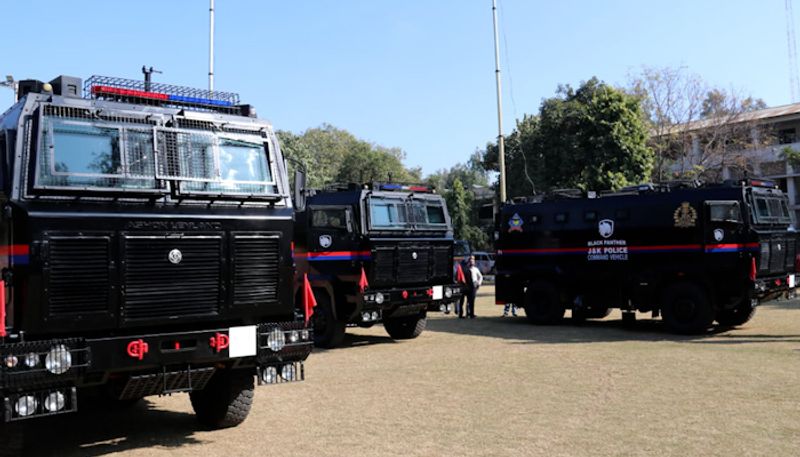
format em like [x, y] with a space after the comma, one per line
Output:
[406, 213]
[77, 152]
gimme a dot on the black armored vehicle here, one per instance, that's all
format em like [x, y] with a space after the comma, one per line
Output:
[691, 254]
[146, 250]
[380, 252]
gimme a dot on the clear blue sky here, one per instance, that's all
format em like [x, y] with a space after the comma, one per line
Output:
[414, 74]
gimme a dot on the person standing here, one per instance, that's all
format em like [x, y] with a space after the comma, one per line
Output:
[474, 281]
[463, 274]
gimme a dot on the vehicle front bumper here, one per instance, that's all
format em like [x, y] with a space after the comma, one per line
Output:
[157, 363]
[769, 287]
[406, 301]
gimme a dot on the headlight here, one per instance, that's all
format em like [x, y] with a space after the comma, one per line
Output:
[11, 361]
[31, 360]
[304, 334]
[448, 292]
[269, 375]
[26, 405]
[379, 298]
[58, 360]
[365, 316]
[276, 340]
[375, 316]
[294, 336]
[442, 307]
[54, 402]
[288, 372]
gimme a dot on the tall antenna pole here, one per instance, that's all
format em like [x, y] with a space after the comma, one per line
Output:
[211, 46]
[794, 84]
[500, 140]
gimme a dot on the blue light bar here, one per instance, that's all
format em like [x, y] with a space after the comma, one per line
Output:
[198, 101]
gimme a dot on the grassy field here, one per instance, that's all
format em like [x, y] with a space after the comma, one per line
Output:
[497, 386]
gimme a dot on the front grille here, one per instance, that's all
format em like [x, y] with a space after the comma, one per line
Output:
[383, 265]
[154, 287]
[777, 255]
[791, 252]
[77, 275]
[255, 275]
[442, 262]
[410, 269]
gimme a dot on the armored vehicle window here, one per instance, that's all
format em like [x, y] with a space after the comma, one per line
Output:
[771, 210]
[725, 211]
[427, 213]
[206, 163]
[329, 218]
[386, 213]
[85, 155]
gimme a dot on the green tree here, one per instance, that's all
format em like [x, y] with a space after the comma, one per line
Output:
[331, 155]
[592, 137]
[458, 204]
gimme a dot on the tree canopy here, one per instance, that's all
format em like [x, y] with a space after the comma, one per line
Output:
[593, 138]
[332, 155]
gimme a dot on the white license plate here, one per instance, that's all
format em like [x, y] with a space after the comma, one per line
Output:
[242, 341]
[437, 292]
[791, 281]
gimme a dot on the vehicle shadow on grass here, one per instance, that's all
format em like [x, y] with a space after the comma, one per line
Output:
[606, 330]
[96, 431]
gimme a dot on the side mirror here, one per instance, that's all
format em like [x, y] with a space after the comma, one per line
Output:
[299, 190]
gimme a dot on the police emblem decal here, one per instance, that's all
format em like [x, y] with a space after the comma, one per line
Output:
[325, 241]
[515, 223]
[175, 256]
[606, 228]
[719, 234]
[685, 216]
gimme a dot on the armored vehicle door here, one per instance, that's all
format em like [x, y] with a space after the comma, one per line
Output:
[331, 228]
[724, 225]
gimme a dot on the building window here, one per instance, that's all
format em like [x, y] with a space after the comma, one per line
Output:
[787, 136]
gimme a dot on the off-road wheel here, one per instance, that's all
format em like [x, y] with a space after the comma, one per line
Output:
[736, 316]
[686, 309]
[328, 331]
[542, 304]
[406, 327]
[226, 400]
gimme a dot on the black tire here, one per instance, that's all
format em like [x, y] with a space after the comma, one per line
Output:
[542, 304]
[686, 309]
[328, 331]
[226, 400]
[736, 316]
[406, 327]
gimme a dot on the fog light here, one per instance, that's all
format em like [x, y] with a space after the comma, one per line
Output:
[375, 316]
[289, 373]
[294, 336]
[448, 292]
[276, 340]
[10, 361]
[26, 405]
[442, 307]
[365, 316]
[31, 360]
[304, 334]
[54, 402]
[269, 375]
[379, 298]
[58, 360]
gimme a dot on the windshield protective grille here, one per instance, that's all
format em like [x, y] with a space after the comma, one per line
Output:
[79, 154]
[208, 164]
